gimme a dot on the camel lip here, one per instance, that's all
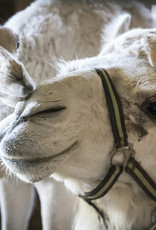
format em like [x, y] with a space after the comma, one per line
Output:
[52, 110]
[28, 115]
[35, 160]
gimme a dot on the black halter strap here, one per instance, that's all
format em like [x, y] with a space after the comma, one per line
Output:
[105, 185]
[115, 109]
[132, 167]
[135, 170]
[120, 136]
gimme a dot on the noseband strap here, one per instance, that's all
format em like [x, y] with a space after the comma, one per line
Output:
[131, 166]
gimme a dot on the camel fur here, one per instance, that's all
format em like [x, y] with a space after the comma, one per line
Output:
[53, 27]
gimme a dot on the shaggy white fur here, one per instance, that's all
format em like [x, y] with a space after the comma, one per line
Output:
[51, 29]
[69, 116]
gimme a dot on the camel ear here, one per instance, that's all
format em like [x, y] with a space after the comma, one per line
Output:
[119, 25]
[151, 49]
[123, 24]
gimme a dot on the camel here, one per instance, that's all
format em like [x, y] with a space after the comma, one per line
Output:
[16, 84]
[36, 57]
[70, 116]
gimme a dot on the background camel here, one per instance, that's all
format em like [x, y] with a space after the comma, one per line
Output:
[15, 85]
[16, 197]
[60, 41]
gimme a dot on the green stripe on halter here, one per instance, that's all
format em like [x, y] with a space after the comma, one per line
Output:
[115, 109]
[105, 185]
[120, 136]
[141, 177]
[115, 106]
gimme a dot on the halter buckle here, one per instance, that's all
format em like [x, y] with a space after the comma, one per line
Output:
[120, 156]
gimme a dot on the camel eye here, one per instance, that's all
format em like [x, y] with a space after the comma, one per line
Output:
[17, 44]
[150, 106]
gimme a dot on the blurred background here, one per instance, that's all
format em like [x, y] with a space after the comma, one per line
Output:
[10, 7]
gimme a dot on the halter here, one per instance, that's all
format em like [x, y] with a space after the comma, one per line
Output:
[129, 165]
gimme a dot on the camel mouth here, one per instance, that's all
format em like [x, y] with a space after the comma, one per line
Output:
[49, 111]
[41, 114]
[35, 160]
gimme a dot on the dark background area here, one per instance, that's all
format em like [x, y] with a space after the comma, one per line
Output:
[9, 7]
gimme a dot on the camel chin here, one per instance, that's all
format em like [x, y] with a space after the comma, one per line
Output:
[25, 171]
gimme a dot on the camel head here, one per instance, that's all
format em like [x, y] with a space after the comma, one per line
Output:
[64, 127]
[16, 83]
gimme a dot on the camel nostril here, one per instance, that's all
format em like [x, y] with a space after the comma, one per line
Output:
[30, 88]
[27, 90]
[24, 119]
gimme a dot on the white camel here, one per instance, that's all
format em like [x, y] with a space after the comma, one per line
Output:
[15, 84]
[69, 115]
[52, 29]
